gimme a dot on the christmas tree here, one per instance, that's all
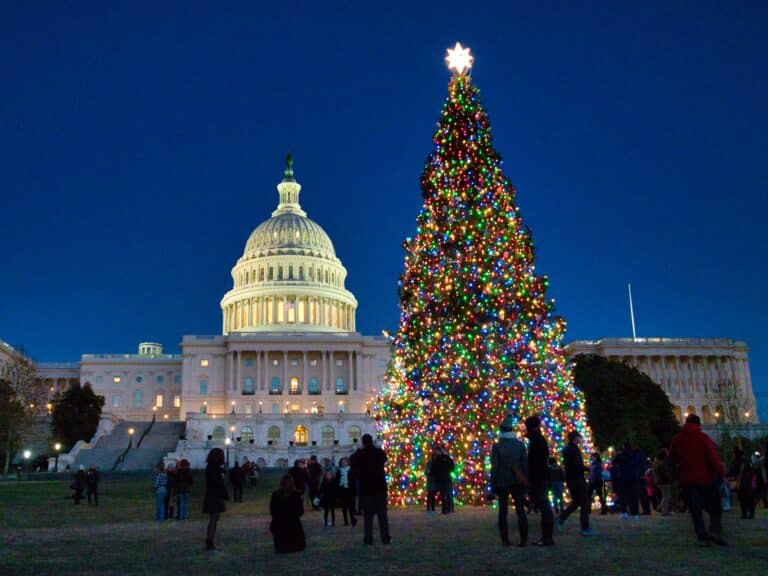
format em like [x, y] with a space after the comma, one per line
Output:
[477, 339]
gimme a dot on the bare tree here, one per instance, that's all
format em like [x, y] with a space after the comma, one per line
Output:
[27, 401]
[734, 404]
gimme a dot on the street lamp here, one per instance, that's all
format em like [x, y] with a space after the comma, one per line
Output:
[260, 406]
[56, 447]
[130, 436]
[27, 454]
[227, 441]
[233, 406]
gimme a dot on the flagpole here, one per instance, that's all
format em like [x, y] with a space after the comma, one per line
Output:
[631, 311]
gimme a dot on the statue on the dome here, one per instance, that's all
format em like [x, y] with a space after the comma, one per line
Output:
[288, 168]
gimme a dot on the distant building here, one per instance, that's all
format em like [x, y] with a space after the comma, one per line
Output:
[705, 376]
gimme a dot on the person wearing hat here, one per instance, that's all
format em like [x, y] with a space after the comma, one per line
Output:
[538, 472]
[574, 479]
[509, 476]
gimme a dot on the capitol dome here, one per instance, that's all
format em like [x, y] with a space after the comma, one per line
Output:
[289, 278]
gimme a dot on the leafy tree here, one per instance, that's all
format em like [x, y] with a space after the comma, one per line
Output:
[623, 404]
[76, 414]
[11, 412]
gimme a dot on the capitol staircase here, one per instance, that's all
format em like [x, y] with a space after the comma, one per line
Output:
[141, 451]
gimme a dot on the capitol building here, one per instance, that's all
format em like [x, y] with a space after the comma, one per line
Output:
[290, 376]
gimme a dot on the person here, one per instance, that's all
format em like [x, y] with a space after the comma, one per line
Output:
[741, 474]
[617, 486]
[662, 477]
[432, 487]
[368, 464]
[78, 484]
[327, 494]
[300, 477]
[577, 487]
[595, 482]
[170, 491]
[160, 486]
[286, 508]
[631, 470]
[701, 473]
[254, 474]
[556, 481]
[346, 489]
[442, 468]
[92, 484]
[758, 465]
[509, 477]
[538, 457]
[314, 476]
[215, 494]
[237, 478]
[184, 480]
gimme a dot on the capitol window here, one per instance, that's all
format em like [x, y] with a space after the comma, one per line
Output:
[160, 379]
[138, 398]
[203, 386]
[159, 400]
[313, 387]
[313, 362]
[275, 362]
[328, 436]
[177, 401]
[204, 363]
[116, 401]
[275, 387]
[294, 362]
[340, 387]
[248, 386]
[339, 363]
[139, 379]
[295, 385]
[116, 379]
[248, 362]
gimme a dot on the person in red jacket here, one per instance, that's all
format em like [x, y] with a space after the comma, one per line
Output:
[701, 474]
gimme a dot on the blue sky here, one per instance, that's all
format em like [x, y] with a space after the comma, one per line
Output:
[141, 142]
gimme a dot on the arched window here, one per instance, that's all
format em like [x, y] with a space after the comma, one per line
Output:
[328, 436]
[301, 272]
[261, 275]
[290, 272]
[219, 434]
[271, 273]
[279, 272]
[354, 434]
[706, 415]
[300, 436]
[248, 386]
[273, 435]
[246, 434]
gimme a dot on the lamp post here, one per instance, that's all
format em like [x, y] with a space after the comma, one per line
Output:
[233, 406]
[27, 454]
[131, 431]
[56, 447]
[260, 406]
[227, 442]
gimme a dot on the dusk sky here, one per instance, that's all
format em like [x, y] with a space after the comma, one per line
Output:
[141, 142]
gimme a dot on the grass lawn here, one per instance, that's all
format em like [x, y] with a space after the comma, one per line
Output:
[41, 532]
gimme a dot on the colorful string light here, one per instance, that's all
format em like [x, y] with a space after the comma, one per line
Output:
[477, 338]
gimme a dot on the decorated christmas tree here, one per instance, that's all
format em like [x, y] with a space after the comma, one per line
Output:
[477, 339]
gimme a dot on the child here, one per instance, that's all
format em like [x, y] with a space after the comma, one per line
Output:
[328, 490]
[346, 492]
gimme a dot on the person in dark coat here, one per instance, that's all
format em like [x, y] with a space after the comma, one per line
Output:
[509, 476]
[92, 484]
[741, 472]
[287, 508]
[595, 484]
[170, 494]
[300, 476]
[346, 487]
[328, 495]
[574, 479]
[184, 480]
[237, 479]
[432, 488]
[79, 483]
[368, 464]
[215, 493]
[442, 468]
[538, 471]
[701, 474]
[314, 476]
[630, 461]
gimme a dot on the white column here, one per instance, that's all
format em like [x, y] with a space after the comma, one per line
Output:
[330, 370]
[239, 360]
[359, 369]
[230, 372]
[285, 371]
[325, 381]
[352, 384]
[304, 382]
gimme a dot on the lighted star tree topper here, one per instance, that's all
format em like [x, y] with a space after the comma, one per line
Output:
[477, 338]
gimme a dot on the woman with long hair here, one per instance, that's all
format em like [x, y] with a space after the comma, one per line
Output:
[215, 493]
[287, 508]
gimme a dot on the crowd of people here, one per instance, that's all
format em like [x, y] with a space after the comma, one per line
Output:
[687, 476]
